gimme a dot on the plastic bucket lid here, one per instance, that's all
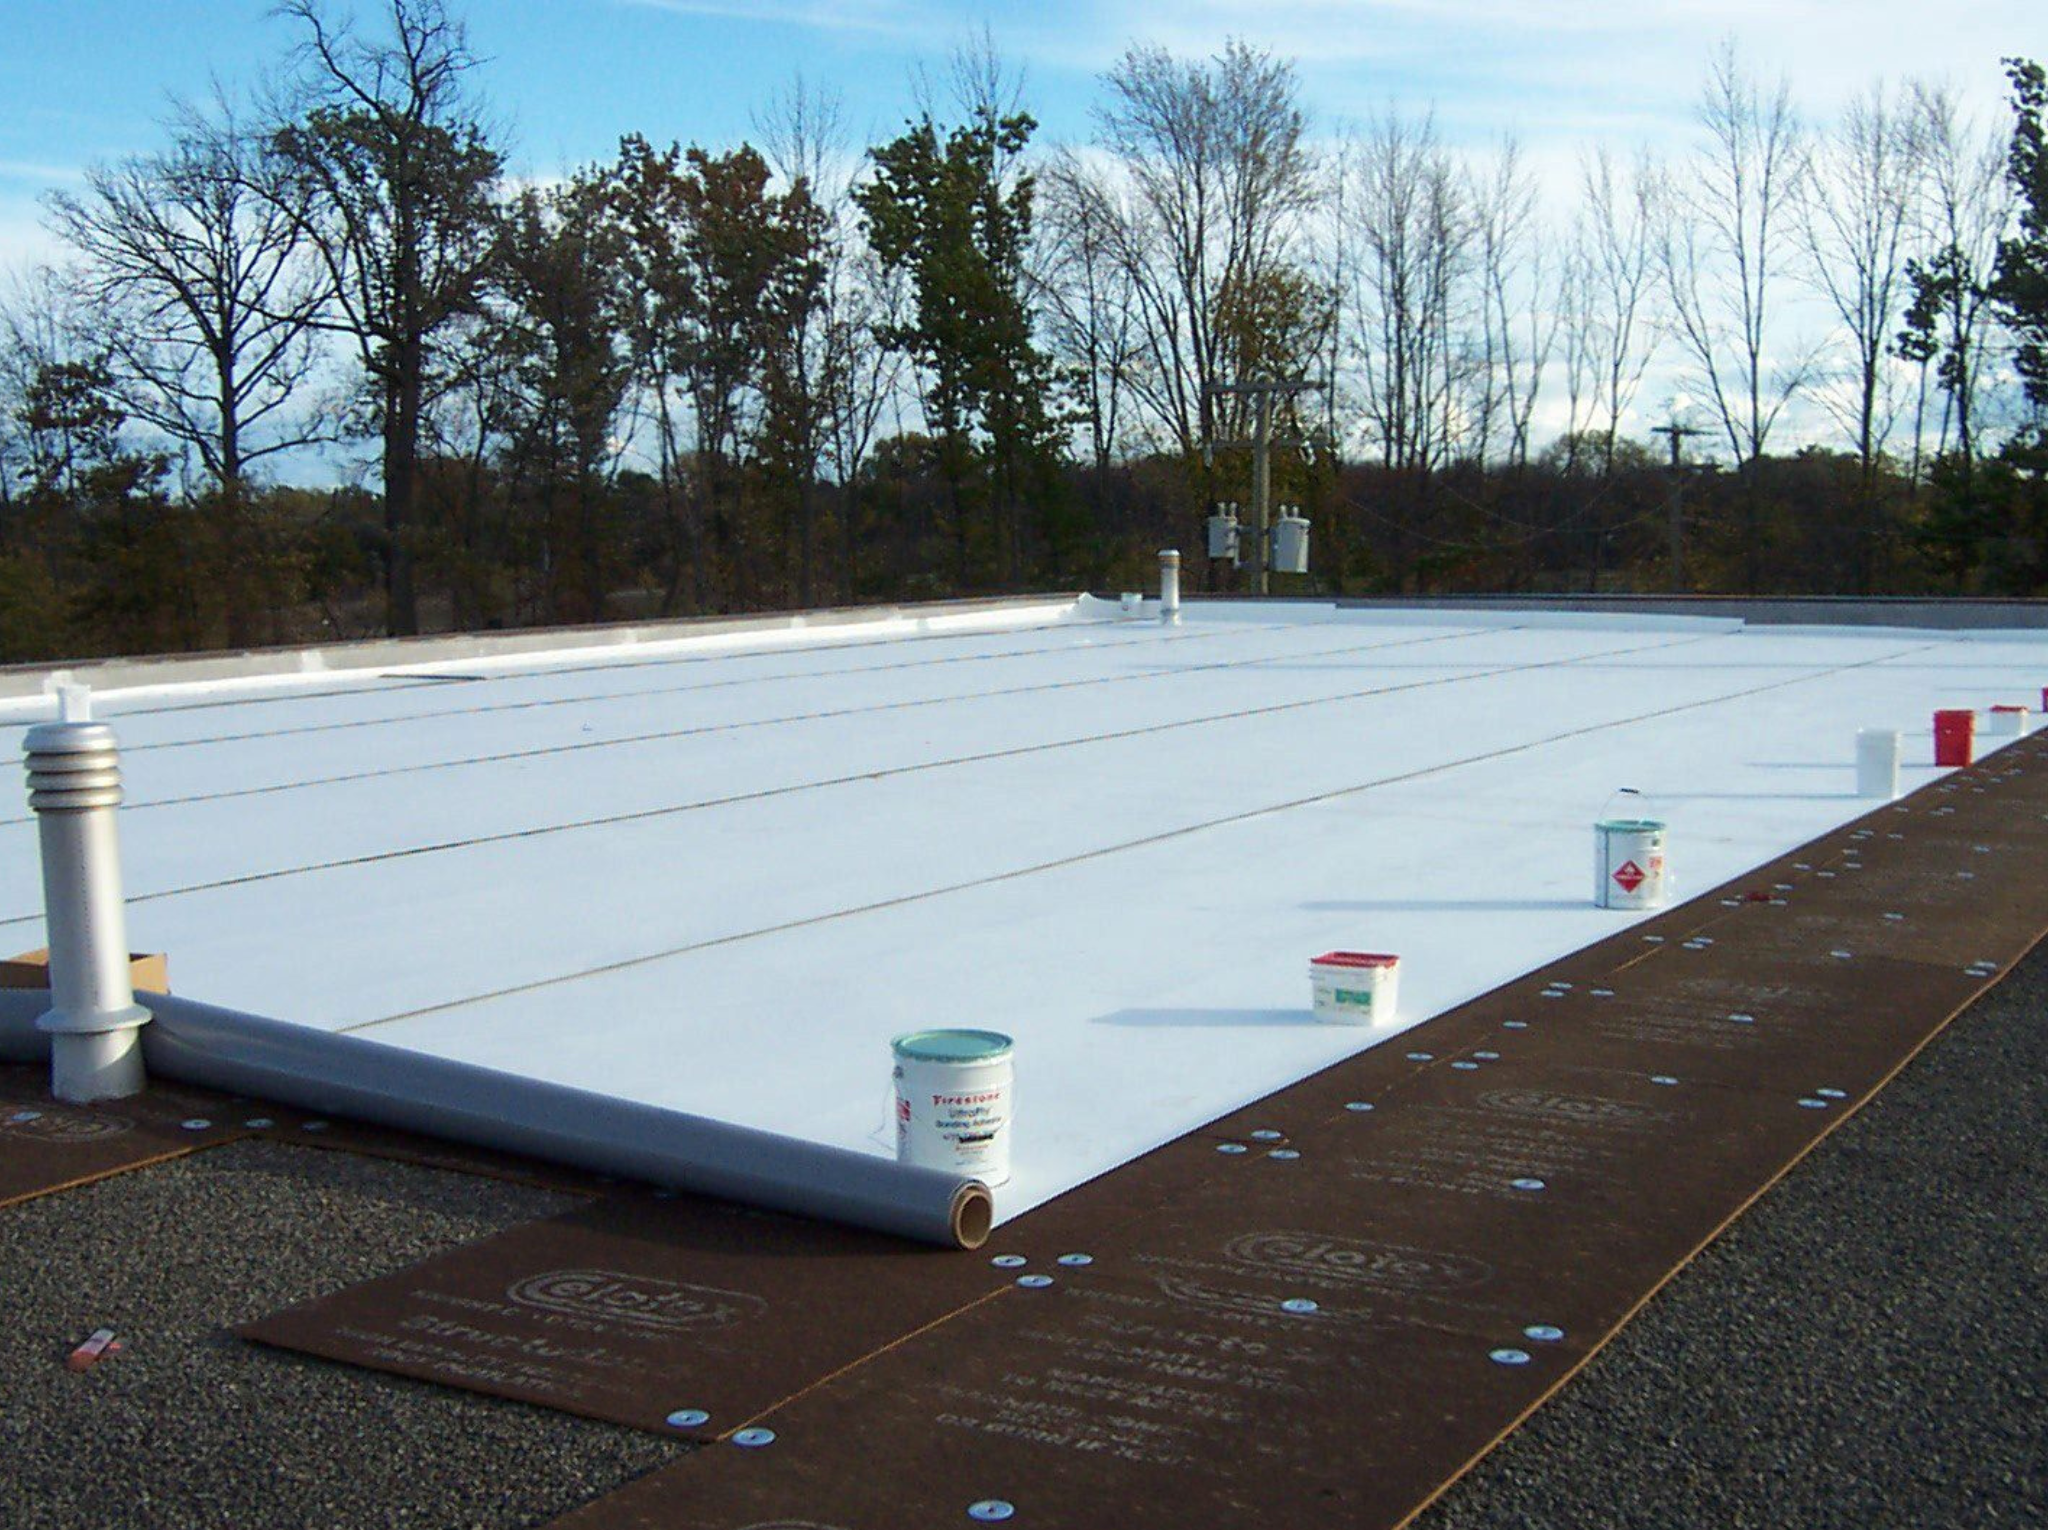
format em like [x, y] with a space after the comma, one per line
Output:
[952, 1046]
[1632, 825]
[1353, 959]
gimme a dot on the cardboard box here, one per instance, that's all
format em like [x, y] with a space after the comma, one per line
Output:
[148, 972]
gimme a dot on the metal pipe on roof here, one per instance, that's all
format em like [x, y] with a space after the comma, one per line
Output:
[74, 785]
[1169, 586]
[372, 1081]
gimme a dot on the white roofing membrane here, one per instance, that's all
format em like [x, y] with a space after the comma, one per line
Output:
[720, 875]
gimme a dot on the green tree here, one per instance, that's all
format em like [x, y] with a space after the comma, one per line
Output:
[727, 269]
[2020, 293]
[2020, 288]
[955, 213]
[561, 331]
[104, 562]
[1986, 519]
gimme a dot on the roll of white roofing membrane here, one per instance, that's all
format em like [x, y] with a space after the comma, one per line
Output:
[369, 1081]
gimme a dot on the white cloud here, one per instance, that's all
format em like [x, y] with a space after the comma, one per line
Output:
[29, 170]
[24, 243]
[887, 18]
[1609, 66]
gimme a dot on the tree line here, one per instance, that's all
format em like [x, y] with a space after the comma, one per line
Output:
[785, 373]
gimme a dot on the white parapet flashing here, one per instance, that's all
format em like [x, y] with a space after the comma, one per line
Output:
[571, 644]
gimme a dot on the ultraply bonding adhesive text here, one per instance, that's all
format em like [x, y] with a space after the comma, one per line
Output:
[953, 1102]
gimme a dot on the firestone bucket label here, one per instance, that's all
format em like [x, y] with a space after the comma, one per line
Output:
[954, 1114]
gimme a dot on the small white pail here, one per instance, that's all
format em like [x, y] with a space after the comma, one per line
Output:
[2003, 722]
[1132, 603]
[1629, 866]
[953, 1092]
[1877, 763]
[1355, 987]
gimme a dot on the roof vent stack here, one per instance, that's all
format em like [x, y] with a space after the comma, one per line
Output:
[1169, 586]
[74, 785]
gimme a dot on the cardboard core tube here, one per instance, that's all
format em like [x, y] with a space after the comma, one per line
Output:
[974, 1216]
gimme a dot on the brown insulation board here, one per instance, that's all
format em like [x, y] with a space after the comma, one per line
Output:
[46, 1145]
[642, 1307]
[1330, 1325]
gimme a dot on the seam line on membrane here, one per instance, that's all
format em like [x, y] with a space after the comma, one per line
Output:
[640, 815]
[707, 729]
[1103, 852]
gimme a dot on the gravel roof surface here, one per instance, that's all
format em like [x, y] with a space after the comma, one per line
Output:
[1868, 1346]
[191, 1426]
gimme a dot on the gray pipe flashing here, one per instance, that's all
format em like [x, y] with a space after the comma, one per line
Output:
[372, 1081]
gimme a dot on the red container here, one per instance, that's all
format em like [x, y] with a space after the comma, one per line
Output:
[1955, 737]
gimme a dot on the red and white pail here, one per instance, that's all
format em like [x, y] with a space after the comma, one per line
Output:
[2004, 722]
[1355, 987]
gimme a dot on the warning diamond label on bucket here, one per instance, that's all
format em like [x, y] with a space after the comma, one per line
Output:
[1630, 876]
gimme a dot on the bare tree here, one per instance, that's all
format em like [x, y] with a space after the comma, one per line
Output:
[1965, 209]
[1726, 246]
[1088, 298]
[854, 378]
[867, 385]
[209, 305]
[1517, 322]
[804, 135]
[1855, 220]
[1408, 220]
[1611, 324]
[1214, 182]
[398, 182]
[1413, 299]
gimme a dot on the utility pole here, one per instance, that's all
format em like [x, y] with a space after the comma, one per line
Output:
[1677, 433]
[1261, 444]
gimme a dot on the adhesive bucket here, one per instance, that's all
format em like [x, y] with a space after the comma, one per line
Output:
[1955, 742]
[953, 1102]
[2004, 722]
[1355, 987]
[1877, 763]
[1628, 863]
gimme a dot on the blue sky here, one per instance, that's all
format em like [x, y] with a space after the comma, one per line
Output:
[88, 79]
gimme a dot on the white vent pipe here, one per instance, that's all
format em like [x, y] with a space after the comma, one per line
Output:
[74, 785]
[1169, 586]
